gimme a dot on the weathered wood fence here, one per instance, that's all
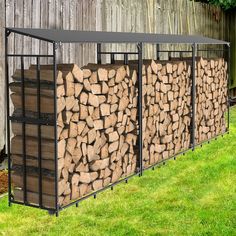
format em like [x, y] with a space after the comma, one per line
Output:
[231, 36]
[158, 16]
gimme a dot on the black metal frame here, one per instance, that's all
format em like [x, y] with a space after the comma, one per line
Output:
[40, 121]
[193, 97]
[26, 120]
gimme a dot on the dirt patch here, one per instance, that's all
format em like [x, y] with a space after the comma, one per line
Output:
[3, 182]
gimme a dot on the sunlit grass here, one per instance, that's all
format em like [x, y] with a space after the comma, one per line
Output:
[194, 195]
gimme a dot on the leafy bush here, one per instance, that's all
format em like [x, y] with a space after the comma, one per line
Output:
[225, 4]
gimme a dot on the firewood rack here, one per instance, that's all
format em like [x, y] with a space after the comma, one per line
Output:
[57, 37]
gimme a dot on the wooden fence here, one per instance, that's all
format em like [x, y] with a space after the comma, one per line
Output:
[231, 36]
[151, 16]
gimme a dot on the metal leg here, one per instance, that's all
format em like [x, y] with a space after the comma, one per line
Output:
[7, 117]
[55, 125]
[23, 128]
[126, 58]
[193, 97]
[140, 105]
[112, 58]
[228, 87]
[158, 51]
[39, 133]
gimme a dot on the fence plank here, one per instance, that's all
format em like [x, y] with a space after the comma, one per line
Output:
[79, 26]
[36, 11]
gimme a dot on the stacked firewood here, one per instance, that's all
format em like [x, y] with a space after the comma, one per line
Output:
[96, 130]
[166, 110]
[211, 98]
[97, 122]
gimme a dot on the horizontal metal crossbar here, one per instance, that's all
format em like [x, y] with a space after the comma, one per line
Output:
[133, 53]
[32, 205]
[29, 120]
[28, 55]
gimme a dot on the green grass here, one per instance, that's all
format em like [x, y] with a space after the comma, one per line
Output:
[194, 195]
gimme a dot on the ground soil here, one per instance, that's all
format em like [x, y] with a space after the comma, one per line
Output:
[3, 182]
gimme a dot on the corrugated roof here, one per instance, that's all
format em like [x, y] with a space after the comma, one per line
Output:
[75, 36]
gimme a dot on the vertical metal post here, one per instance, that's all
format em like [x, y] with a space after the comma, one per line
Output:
[39, 133]
[193, 97]
[158, 51]
[23, 127]
[140, 105]
[55, 127]
[112, 58]
[99, 56]
[126, 59]
[7, 118]
[197, 50]
[228, 87]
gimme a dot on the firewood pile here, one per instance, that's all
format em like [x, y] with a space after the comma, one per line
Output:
[211, 98]
[167, 108]
[97, 129]
[97, 122]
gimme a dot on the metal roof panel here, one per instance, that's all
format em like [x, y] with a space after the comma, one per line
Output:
[75, 36]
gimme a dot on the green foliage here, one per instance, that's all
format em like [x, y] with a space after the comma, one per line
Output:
[194, 195]
[225, 4]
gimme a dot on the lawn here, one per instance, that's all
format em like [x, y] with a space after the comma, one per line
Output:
[194, 195]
